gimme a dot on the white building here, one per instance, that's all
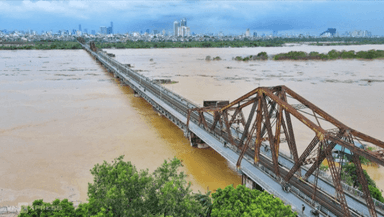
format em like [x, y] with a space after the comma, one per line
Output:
[247, 33]
[176, 28]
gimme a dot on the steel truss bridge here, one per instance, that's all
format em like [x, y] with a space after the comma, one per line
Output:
[252, 142]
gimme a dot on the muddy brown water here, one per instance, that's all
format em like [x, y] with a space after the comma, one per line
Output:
[61, 112]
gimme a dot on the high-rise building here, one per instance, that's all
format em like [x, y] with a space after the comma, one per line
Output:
[254, 34]
[183, 22]
[73, 31]
[164, 32]
[86, 31]
[155, 32]
[103, 30]
[247, 33]
[176, 28]
[93, 32]
[147, 31]
[111, 28]
[274, 32]
[79, 27]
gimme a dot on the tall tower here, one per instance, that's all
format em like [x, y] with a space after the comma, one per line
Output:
[175, 28]
[183, 22]
[111, 27]
[79, 27]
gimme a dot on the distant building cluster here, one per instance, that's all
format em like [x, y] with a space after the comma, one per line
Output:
[331, 32]
[359, 33]
[106, 30]
[181, 29]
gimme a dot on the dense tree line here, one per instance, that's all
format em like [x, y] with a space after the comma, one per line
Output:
[331, 55]
[119, 189]
[57, 45]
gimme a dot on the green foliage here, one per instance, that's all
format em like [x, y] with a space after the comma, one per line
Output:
[206, 201]
[348, 54]
[349, 176]
[259, 56]
[314, 54]
[375, 193]
[295, 55]
[188, 44]
[123, 191]
[262, 54]
[324, 167]
[56, 208]
[333, 54]
[118, 189]
[245, 202]
[45, 46]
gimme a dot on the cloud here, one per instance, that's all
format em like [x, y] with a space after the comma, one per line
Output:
[202, 16]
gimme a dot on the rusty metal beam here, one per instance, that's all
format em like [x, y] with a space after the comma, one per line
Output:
[228, 128]
[318, 130]
[259, 119]
[364, 184]
[249, 94]
[249, 139]
[278, 127]
[267, 123]
[331, 119]
[336, 181]
[365, 153]
[302, 158]
[246, 128]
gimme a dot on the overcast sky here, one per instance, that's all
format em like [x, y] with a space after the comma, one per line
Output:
[228, 16]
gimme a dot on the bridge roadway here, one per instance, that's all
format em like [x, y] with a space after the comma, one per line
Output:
[175, 108]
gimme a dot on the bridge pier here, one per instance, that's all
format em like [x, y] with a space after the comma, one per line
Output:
[195, 141]
[249, 183]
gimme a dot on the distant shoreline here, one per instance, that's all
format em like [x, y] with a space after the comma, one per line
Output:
[64, 45]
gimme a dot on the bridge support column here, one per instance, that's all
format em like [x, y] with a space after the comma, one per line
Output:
[135, 93]
[249, 183]
[195, 141]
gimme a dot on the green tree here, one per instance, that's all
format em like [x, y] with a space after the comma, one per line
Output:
[245, 202]
[121, 190]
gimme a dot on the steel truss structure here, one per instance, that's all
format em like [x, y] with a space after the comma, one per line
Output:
[270, 122]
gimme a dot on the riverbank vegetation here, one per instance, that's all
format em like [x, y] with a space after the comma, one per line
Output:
[119, 189]
[350, 177]
[57, 45]
[331, 55]
[190, 44]
[259, 56]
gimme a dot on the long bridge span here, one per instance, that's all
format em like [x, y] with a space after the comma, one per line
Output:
[252, 142]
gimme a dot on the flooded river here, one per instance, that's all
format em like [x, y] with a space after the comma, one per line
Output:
[61, 112]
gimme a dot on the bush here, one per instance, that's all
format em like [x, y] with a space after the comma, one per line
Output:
[314, 54]
[262, 54]
[349, 175]
[245, 202]
[333, 54]
[348, 54]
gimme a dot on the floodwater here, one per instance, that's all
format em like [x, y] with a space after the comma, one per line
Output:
[61, 112]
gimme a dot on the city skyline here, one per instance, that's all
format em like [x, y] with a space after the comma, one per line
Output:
[203, 17]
